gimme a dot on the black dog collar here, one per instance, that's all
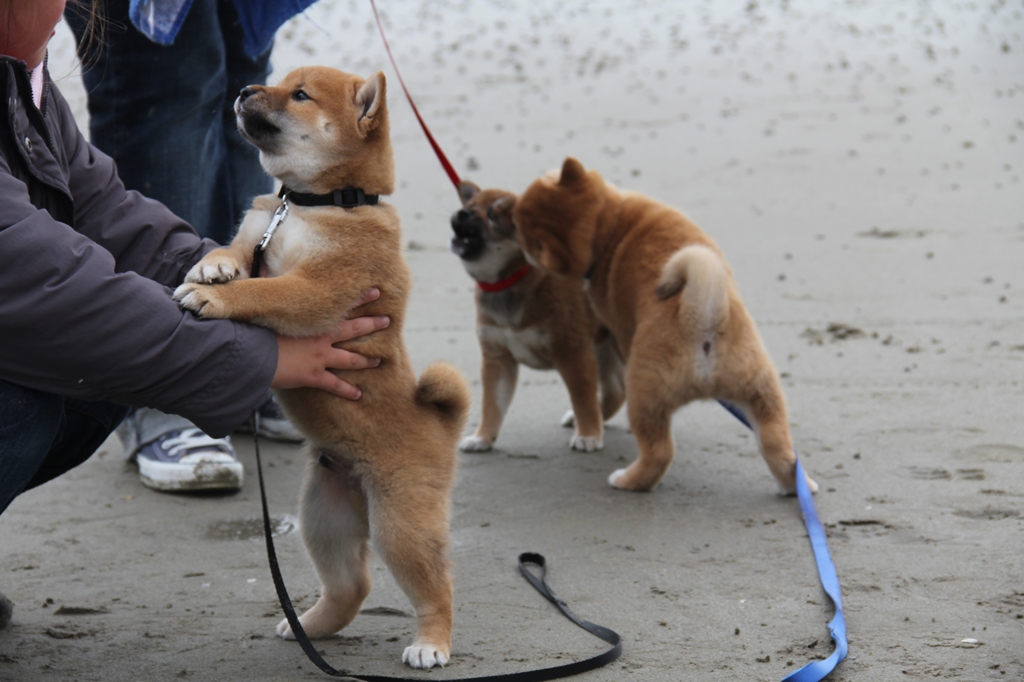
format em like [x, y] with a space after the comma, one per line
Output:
[346, 197]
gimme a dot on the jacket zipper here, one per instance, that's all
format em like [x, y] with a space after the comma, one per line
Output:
[44, 100]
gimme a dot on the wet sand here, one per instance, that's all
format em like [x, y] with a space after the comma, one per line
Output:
[859, 163]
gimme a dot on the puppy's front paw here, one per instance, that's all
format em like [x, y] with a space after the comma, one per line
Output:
[201, 299]
[633, 478]
[475, 444]
[284, 630]
[586, 443]
[614, 479]
[424, 656]
[569, 419]
[216, 267]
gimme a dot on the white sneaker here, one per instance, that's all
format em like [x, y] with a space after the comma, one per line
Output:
[189, 460]
[274, 424]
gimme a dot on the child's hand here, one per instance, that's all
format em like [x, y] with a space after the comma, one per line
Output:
[305, 362]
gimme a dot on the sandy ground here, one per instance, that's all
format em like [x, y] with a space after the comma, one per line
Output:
[859, 162]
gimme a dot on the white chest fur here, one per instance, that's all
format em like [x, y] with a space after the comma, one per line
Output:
[497, 256]
[528, 346]
[294, 241]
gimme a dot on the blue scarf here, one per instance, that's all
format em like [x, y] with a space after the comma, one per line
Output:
[160, 20]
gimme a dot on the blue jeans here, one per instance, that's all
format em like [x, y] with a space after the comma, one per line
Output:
[42, 435]
[164, 113]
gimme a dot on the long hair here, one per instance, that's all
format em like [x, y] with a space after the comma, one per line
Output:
[95, 27]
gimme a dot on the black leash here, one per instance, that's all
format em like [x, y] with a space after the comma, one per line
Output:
[527, 558]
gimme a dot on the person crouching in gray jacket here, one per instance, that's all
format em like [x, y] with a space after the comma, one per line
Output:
[87, 323]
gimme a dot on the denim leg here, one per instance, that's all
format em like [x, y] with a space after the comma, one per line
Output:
[42, 435]
[248, 179]
[160, 112]
[86, 426]
[29, 423]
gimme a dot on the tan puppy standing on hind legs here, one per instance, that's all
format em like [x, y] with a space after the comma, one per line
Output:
[382, 466]
[663, 287]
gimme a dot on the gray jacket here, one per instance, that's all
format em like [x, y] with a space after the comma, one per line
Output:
[86, 273]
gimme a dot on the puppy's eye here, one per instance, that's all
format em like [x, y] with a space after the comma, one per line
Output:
[300, 96]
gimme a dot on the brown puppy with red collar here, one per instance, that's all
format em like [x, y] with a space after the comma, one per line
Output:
[531, 317]
[664, 289]
[383, 465]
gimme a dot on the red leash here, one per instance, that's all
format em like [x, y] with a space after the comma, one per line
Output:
[452, 175]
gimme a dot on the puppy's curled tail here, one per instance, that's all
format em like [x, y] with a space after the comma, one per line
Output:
[703, 277]
[443, 389]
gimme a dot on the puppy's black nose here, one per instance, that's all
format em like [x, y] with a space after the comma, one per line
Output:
[247, 92]
[465, 223]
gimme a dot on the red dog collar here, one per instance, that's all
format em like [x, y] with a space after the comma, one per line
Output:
[501, 285]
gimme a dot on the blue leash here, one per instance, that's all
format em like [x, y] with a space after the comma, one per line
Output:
[815, 670]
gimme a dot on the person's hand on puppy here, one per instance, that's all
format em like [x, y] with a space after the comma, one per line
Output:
[306, 362]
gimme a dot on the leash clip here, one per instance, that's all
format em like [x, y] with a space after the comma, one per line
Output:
[257, 255]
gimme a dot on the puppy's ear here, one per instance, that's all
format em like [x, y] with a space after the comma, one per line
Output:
[370, 100]
[467, 190]
[500, 215]
[573, 172]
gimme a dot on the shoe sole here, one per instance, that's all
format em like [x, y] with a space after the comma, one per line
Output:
[199, 476]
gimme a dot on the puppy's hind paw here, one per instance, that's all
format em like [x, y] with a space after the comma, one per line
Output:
[569, 419]
[284, 630]
[424, 656]
[790, 491]
[586, 443]
[475, 444]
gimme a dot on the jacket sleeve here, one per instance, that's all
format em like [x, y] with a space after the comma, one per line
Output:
[142, 234]
[88, 314]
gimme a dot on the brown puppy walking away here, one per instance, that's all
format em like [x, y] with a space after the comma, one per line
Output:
[663, 287]
[384, 465]
[531, 317]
